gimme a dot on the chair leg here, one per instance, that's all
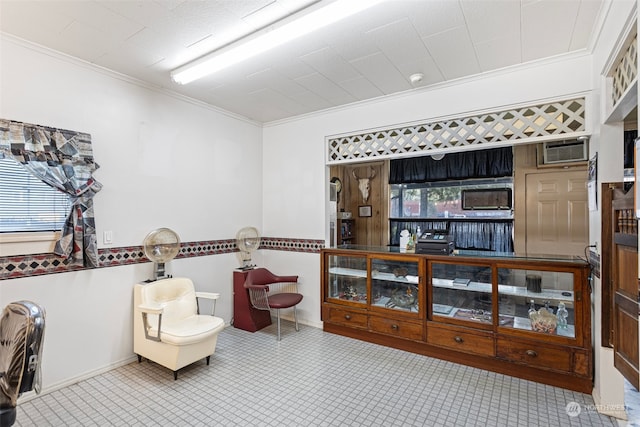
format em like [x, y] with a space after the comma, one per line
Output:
[278, 315]
[175, 375]
[295, 317]
[208, 359]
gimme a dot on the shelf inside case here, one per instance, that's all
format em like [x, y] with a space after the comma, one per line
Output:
[347, 284]
[517, 291]
[352, 272]
[472, 302]
[395, 285]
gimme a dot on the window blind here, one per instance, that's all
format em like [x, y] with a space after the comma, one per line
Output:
[28, 204]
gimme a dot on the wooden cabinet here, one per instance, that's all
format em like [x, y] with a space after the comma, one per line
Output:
[395, 327]
[466, 340]
[535, 353]
[521, 316]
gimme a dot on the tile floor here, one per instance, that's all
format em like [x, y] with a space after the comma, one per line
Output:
[310, 378]
[632, 405]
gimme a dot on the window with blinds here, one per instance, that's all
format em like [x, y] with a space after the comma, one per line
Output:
[28, 204]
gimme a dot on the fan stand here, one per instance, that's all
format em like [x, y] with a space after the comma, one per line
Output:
[159, 272]
[246, 262]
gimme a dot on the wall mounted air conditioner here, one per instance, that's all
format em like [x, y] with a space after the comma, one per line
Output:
[565, 151]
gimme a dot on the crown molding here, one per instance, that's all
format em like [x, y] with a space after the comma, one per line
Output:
[122, 77]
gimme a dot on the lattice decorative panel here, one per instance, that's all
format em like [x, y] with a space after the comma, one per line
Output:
[626, 71]
[561, 118]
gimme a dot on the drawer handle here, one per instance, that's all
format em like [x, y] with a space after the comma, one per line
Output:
[458, 339]
[531, 353]
[347, 316]
[395, 327]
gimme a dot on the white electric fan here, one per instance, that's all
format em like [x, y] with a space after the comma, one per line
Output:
[160, 246]
[247, 241]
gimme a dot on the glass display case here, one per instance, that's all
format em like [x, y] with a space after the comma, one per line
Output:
[395, 284]
[526, 316]
[539, 301]
[347, 278]
[462, 292]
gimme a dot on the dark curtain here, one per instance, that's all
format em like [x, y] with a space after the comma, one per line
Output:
[493, 163]
[478, 235]
[629, 147]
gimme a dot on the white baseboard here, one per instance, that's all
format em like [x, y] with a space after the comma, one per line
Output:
[608, 409]
[57, 386]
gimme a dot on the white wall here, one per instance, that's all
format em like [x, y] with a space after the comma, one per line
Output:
[165, 162]
[607, 142]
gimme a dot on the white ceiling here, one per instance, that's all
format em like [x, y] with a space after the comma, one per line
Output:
[366, 56]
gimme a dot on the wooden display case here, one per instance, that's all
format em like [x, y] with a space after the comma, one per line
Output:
[529, 317]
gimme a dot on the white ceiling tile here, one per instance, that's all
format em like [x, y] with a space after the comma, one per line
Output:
[140, 11]
[583, 31]
[453, 52]
[130, 58]
[293, 68]
[158, 44]
[204, 17]
[361, 88]
[352, 45]
[325, 88]
[330, 64]
[45, 23]
[312, 101]
[547, 26]
[113, 25]
[170, 4]
[435, 16]
[271, 79]
[84, 41]
[498, 53]
[492, 19]
[247, 7]
[402, 45]
[269, 98]
[382, 73]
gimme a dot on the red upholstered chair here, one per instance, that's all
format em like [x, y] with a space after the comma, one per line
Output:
[270, 292]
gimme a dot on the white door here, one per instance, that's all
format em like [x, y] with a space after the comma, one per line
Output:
[557, 213]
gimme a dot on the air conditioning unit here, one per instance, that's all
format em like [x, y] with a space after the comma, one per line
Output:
[565, 151]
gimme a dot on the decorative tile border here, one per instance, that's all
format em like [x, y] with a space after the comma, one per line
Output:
[294, 245]
[13, 267]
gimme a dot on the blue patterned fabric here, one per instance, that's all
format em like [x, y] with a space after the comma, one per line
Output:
[62, 159]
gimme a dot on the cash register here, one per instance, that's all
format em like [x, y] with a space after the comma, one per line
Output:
[435, 242]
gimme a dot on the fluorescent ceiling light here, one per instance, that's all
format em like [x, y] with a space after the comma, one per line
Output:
[269, 39]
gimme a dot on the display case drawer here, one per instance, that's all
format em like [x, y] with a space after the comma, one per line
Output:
[403, 329]
[351, 318]
[534, 354]
[460, 340]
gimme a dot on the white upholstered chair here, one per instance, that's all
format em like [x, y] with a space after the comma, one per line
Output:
[167, 326]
